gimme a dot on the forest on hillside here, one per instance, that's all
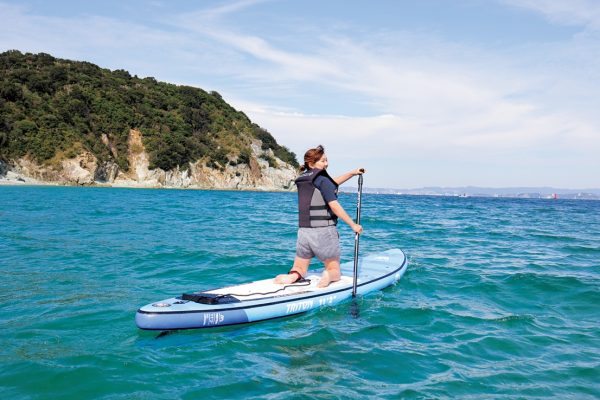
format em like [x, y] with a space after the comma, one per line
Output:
[51, 109]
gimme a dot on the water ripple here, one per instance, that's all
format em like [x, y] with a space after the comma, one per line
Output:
[499, 300]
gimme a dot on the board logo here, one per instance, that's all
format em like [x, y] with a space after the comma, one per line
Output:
[213, 318]
[327, 301]
[299, 307]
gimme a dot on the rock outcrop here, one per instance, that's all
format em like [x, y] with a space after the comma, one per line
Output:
[86, 169]
[79, 170]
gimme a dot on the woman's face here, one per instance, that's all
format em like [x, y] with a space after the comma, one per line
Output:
[322, 163]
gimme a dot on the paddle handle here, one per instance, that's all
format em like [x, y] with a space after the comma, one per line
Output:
[356, 235]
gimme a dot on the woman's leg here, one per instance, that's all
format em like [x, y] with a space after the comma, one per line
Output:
[300, 265]
[332, 272]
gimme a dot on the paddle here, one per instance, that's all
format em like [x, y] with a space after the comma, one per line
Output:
[354, 311]
[356, 235]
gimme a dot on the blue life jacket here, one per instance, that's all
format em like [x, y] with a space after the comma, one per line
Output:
[313, 211]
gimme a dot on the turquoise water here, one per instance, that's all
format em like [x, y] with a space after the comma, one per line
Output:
[500, 299]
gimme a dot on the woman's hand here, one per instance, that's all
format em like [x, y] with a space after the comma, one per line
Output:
[357, 228]
[348, 175]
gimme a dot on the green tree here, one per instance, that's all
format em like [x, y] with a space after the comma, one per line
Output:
[51, 106]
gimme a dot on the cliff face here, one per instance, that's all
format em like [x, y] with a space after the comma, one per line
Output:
[72, 122]
[85, 169]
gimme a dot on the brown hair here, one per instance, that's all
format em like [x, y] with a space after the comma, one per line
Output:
[312, 156]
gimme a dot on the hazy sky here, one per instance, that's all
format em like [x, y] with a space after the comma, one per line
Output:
[421, 93]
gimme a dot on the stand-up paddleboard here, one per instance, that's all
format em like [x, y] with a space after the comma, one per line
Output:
[262, 300]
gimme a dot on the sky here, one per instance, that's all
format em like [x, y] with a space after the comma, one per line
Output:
[494, 93]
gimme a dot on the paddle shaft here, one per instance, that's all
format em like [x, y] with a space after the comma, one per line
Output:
[356, 235]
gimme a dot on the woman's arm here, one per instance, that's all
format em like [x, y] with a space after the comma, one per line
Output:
[343, 178]
[338, 210]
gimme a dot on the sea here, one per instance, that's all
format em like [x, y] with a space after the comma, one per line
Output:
[501, 299]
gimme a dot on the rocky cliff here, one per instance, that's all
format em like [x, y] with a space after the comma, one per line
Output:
[74, 123]
[86, 170]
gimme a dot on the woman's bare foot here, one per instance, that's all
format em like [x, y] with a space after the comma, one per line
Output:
[285, 279]
[327, 278]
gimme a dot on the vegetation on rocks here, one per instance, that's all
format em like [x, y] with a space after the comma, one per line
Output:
[51, 109]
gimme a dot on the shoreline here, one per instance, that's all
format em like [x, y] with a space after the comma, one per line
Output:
[35, 183]
[12, 178]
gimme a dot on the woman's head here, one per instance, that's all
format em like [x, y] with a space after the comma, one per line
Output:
[315, 158]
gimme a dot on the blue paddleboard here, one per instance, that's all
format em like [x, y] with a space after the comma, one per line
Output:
[262, 300]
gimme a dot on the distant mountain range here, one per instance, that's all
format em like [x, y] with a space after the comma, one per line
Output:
[474, 191]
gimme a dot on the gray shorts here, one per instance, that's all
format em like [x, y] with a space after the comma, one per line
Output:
[324, 243]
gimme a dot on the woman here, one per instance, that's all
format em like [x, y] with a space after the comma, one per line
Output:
[319, 211]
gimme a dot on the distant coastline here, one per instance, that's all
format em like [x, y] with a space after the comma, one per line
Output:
[12, 179]
[474, 191]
